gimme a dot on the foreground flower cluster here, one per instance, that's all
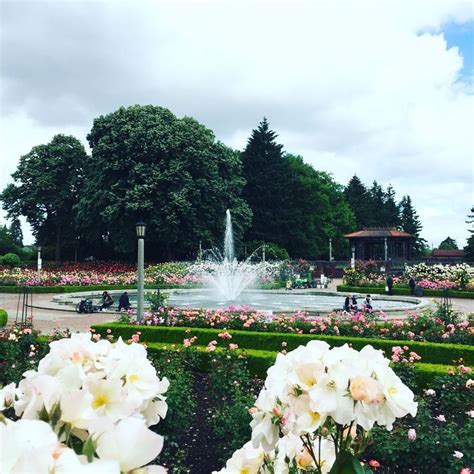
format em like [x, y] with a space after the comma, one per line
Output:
[317, 408]
[86, 409]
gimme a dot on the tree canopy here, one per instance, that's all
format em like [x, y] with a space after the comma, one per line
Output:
[469, 248]
[45, 190]
[172, 173]
[293, 205]
[448, 244]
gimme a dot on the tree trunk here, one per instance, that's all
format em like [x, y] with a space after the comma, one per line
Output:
[57, 256]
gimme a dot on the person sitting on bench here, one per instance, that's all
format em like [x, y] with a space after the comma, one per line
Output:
[107, 301]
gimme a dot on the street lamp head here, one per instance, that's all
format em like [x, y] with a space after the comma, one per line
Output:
[39, 248]
[140, 227]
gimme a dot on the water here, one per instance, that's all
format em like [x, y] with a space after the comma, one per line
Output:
[276, 301]
[222, 273]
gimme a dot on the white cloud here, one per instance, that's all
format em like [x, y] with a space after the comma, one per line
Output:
[353, 86]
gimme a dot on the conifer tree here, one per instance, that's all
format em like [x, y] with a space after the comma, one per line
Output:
[268, 177]
[469, 248]
[390, 211]
[16, 232]
[358, 199]
[410, 222]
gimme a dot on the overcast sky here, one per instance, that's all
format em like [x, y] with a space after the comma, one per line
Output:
[379, 88]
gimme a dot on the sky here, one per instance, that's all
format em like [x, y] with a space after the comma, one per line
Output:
[381, 89]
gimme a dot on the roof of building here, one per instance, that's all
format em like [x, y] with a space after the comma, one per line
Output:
[379, 232]
[447, 253]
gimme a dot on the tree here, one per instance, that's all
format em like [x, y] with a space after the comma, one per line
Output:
[7, 245]
[390, 211]
[45, 189]
[148, 164]
[448, 244]
[377, 202]
[357, 197]
[469, 248]
[267, 176]
[410, 222]
[293, 205]
[16, 232]
[317, 211]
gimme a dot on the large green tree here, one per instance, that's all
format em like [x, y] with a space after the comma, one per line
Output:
[410, 222]
[358, 199]
[293, 205]
[448, 244]
[46, 188]
[267, 175]
[148, 164]
[390, 211]
[469, 248]
[317, 211]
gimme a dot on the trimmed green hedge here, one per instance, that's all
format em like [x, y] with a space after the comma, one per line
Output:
[403, 291]
[260, 361]
[3, 317]
[430, 352]
[74, 289]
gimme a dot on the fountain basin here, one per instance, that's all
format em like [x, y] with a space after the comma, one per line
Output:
[276, 301]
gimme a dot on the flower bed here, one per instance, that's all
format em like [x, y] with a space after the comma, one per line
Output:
[271, 342]
[207, 415]
[423, 326]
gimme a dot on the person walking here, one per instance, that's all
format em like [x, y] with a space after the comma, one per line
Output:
[389, 284]
[412, 285]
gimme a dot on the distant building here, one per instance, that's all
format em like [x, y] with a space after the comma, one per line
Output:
[446, 256]
[381, 243]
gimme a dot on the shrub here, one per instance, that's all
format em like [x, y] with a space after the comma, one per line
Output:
[11, 260]
[3, 317]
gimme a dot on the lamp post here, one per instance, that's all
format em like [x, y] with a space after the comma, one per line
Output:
[263, 254]
[385, 246]
[330, 250]
[140, 228]
[39, 262]
[353, 249]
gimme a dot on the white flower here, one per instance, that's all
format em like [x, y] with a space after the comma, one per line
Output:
[131, 443]
[264, 431]
[8, 395]
[458, 455]
[246, 460]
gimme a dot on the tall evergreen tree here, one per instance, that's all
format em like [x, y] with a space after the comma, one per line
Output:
[377, 201]
[448, 244]
[390, 211]
[16, 232]
[267, 174]
[410, 222]
[358, 199]
[469, 248]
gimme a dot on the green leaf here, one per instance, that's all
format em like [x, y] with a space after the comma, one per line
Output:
[88, 449]
[346, 463]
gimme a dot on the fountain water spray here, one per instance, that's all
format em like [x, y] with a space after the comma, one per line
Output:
[223, 273]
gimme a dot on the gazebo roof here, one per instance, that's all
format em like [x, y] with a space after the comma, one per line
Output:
[368, 232]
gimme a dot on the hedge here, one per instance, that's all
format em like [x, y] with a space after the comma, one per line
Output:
[403, 291]
[3, 317]
[430, 352]
[259, 361]
[75, 289]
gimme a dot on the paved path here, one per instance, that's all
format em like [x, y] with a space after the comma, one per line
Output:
[48, 314]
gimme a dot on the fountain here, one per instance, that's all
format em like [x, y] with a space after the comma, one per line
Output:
[223, 273]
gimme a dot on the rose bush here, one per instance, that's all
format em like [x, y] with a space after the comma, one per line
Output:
[317, 409]
[87, 403]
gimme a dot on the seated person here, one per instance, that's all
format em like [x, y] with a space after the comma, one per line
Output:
[124, 302]
[354, 305]
[346, 306]
[368, 303]
[107, 301]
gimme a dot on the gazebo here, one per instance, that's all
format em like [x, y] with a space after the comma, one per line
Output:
[380, 243]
